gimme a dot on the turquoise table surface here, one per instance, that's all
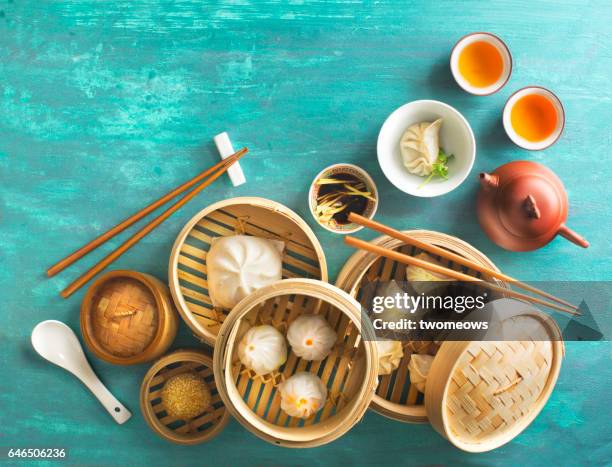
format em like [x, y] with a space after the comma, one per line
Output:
[107, 105]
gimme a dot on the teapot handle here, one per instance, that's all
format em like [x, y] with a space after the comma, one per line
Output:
[572, 236]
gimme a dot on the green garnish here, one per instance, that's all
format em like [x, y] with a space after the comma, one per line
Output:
[440, 168]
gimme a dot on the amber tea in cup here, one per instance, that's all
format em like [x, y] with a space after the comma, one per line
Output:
[533, 118]
[481, 63]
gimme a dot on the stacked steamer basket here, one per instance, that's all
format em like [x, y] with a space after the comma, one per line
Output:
[195, 430]
[303, 255]
[479, 395]
[349, 372]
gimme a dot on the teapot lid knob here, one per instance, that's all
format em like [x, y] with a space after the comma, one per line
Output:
[531, 207]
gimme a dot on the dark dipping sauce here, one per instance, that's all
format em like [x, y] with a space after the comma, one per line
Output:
[354, 203]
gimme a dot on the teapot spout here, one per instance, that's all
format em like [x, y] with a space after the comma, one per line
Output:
[572, 236]
[489, 181]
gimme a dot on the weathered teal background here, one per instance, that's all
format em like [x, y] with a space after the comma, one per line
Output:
[106, 105]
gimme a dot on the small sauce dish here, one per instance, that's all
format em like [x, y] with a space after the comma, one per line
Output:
[366, 206]
[533, 118]
[481, 63]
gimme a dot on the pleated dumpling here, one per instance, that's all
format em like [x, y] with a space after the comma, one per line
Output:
[262, 349]
[419, 367]
[390, 355]
[240, 264]
[419, 147]
[421, 278]
[302, 395]
[311, 337]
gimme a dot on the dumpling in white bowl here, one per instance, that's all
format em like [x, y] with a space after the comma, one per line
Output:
[262, 349]
[311, 337]
[238, 265]
[302, 395]
[420, 146]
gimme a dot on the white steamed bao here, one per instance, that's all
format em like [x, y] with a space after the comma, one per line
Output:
[302, 395]
[390, 355]
[240, 264]
[262, 349]
[311, 337]
[419, 147]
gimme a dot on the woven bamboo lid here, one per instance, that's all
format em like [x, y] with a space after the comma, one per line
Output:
[480, 395]
[303, 255]
[127, 317]
[396, 397]
[195, 430]
[349, 372]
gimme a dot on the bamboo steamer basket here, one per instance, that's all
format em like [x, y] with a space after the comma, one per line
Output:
[194, 431]
[302, 257]
[481, 395]
[478, 395]
[396, 397]
[349, 372]
[128, 317]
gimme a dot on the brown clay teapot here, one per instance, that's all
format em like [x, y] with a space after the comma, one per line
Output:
[522, 206]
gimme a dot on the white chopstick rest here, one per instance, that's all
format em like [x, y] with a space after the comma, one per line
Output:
[225, 148]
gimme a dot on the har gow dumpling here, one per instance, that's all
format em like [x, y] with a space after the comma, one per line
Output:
[262, 349]
[240, 264]
[390, 355]
[419, 367]
[419, 147]
[311, 337]
[302, 395]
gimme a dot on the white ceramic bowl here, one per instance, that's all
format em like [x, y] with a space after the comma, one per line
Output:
[499, 45]
[358, 172]
[519, 140]
[456, 137]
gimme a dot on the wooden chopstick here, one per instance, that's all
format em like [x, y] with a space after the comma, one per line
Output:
[95, 243]
[364, 221]
[130, 242]
[407, 259]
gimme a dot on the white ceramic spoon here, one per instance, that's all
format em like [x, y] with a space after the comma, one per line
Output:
[56, 342]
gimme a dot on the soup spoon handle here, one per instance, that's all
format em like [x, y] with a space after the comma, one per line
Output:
[115, 408]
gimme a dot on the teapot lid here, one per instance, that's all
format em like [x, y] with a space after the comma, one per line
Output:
[522, 205]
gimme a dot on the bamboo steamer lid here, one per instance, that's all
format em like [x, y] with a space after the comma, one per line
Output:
[396, 397]
[349, 372]
[127, 317]
[196, 430]
[480, 395]
[303, 255]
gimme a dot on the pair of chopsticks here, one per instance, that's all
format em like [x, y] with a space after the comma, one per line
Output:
[560, 305]
[212, 173]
